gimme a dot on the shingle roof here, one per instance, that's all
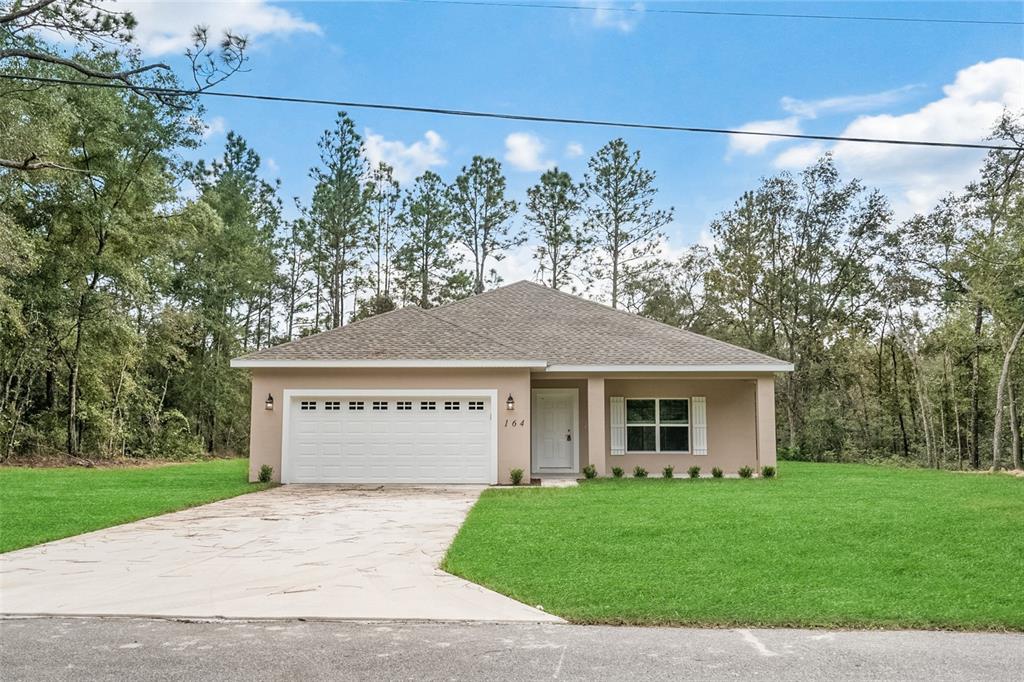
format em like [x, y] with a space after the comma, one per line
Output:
[523, 322]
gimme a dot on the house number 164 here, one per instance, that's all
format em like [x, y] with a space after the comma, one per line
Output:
[514, 423]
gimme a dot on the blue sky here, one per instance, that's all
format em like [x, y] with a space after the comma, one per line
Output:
[887, 79]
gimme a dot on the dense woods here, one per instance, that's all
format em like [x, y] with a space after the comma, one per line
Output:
[129, 277]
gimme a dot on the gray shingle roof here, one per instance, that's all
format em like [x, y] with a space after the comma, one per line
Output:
[521, 321]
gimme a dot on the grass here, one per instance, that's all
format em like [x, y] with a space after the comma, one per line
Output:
[824, 545]
[39, 505]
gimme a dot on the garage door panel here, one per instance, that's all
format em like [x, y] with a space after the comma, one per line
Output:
[382, 439]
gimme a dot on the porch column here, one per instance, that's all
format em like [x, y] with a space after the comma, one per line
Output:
[597, 444]
[765, 409]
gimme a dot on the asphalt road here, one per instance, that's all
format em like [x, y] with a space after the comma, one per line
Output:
[138, 649]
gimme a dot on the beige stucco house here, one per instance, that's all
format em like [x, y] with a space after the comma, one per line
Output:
[521, 377]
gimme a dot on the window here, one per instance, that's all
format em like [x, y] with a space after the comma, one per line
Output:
[451, 404]
[332, 405]
[428, 405]
[307, 405]
[658, 425]
[476, 405]
[355, 404]
[403, 405]
[380, 405]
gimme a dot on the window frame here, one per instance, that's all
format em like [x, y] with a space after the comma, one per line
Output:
[657, 424]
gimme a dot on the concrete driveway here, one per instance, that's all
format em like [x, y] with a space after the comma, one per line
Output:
[289, 552]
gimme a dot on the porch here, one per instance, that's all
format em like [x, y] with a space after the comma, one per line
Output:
[651, 420]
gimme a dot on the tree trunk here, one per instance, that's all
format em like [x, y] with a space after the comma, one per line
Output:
[975, 391]
[997, 428]
[896, 397]
[1015, 451]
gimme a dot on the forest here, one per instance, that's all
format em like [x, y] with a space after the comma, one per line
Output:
[130, 276]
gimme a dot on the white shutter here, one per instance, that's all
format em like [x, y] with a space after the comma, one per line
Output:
[699, 425]
[617, 417]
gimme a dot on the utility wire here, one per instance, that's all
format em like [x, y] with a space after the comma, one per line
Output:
[716, 13]
[177, 92]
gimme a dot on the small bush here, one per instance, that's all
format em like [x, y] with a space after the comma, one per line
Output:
[266, 473]
[746, 472]
[639, 472]
[716, 472]
[667, 472]
[767, 472]
[694, 472]
[590, 471]
[516, 475]
[617, 472]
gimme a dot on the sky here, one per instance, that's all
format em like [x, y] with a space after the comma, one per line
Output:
[947, 82]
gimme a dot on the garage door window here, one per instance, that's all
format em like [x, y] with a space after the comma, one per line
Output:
[451, 404]
[380, 405]
[428, 405]
[403, 405]
[355, 404]
[332, 405]
[307, 405]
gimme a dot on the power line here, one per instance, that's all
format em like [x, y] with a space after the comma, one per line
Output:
[177, 92]
[717, 13]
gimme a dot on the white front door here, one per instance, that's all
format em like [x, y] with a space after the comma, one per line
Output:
[555, 430]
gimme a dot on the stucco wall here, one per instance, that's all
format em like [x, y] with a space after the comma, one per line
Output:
[513, 442]
[732, 421]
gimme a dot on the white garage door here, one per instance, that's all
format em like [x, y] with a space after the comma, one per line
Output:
[383, 439]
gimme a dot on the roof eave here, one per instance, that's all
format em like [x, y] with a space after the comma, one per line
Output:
[271, 363]
[738, 367]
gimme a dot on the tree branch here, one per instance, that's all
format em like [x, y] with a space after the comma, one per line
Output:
[33, 163]
[25, 11]
[122, 76]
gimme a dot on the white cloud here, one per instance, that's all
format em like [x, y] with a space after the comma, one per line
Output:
[846, 103]
[523, 151]
[800, 156]
[271, 165]
[607, 15]
[915, 178]
[574, 150]
[754, 144]
[408, 161]
[215, 126]
[165, 26]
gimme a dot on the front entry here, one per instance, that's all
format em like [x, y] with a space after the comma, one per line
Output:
[555, 431]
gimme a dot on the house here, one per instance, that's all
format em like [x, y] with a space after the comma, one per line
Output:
[520, 377]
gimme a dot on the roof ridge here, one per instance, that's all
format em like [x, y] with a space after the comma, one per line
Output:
[641, 317]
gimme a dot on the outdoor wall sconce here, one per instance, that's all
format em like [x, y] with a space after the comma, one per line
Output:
[269, 404]
[510, 403]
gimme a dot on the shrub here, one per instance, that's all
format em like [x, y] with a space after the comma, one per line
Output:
[617, 472]
[694, 472]
[667, 472]
[266, 473]
[590, 471]
[716, 472]
[639, 472]
[767, 472]
[516, 475]
[746, 472]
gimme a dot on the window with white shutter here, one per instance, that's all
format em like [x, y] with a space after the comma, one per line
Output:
[699, 424]
[617, 419]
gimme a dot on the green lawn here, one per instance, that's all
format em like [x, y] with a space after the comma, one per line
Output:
[825, 545]
[39, 505]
